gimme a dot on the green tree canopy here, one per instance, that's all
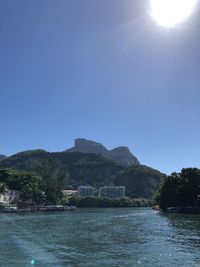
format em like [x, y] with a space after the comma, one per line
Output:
[30, 185]
[179, 189]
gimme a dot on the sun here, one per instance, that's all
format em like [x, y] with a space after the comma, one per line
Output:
[169, 13]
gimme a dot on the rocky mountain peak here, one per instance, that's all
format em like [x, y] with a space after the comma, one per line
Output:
[121, 149]
[122, 155]
[88, 146]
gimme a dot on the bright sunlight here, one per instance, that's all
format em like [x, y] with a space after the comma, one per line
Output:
[169, 13]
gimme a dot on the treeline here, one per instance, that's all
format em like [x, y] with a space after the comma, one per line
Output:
[140, 181]
[34, 188]
[47, 188]
[179, 190]
[74, 169]
[91, 202]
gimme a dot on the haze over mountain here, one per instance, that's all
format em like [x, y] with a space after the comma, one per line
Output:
[122, 155]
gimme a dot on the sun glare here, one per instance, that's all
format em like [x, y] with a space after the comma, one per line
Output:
[169, 13]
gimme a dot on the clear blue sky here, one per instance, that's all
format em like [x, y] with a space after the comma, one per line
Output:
[103, 70]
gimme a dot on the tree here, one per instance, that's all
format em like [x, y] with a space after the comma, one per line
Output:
[29, 184]
[55, 178]
[179, 189]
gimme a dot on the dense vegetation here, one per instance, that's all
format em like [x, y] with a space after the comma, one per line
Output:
[34, 189]
[2, 157]
[107, 202]
[140, 181]
[30, 185]
[81, 168]
[179, 189]
[71, 169]
[40, 176]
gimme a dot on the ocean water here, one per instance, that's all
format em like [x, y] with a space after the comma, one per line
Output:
[100, 237]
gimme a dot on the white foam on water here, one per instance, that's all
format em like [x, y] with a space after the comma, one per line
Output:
[134, 214]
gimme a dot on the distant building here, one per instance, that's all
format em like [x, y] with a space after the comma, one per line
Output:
[112, 191]
[85, 191]
[9, 196]
[69, 192]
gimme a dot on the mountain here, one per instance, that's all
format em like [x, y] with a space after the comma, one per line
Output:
[120, 155]
[82, 168]
[87, 169]
[2, 157]
[139, 180]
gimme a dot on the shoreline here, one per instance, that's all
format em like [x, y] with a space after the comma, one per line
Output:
[13, 209]
[178, 210]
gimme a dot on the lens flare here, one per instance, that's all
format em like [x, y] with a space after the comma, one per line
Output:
[32, 262]
[169, 13]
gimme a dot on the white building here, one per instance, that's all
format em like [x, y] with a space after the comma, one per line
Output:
[69, 192]
[85, 191]
[112, 191]
[9, 196]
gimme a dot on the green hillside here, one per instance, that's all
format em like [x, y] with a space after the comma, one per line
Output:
[139, 180]
[86, 169]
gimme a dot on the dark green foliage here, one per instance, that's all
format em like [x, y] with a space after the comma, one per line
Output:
[107, 202]
[179, 189]
[2, 157]
[55, 178]
[30, 185]
[140, 181]
[64, 169]
[88, 169]
[83, 169]
[54, 174]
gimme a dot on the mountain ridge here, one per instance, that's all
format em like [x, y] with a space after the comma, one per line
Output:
[121, 155]
[86, 169]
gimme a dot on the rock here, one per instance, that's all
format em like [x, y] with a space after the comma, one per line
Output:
[121, 155]
[88, 146]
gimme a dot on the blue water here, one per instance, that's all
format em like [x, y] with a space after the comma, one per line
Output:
[99, 237]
